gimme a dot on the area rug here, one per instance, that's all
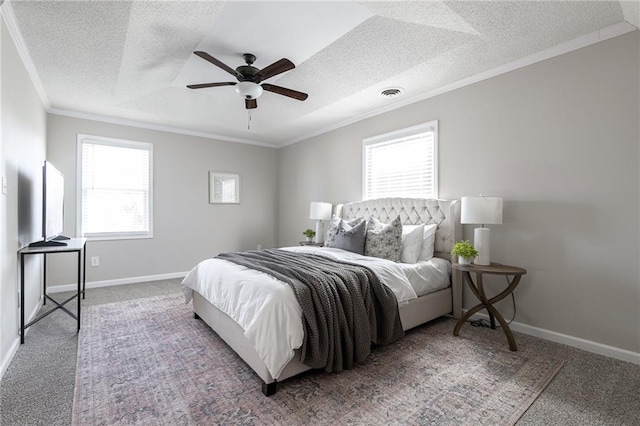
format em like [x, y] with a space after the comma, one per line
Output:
[148, 361]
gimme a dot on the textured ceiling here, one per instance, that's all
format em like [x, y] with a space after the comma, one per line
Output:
[130, 61]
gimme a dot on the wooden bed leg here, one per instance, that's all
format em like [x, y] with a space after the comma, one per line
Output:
[196, 316]
[269, 389]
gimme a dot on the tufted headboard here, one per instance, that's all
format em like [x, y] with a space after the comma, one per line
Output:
[413, 211]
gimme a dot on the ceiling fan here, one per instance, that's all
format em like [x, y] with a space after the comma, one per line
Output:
[250, 77]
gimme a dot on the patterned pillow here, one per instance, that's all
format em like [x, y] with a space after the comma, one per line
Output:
[384, 240]
[351, 238]
[332, 229]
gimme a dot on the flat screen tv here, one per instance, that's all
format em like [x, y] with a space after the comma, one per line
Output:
[52, 207]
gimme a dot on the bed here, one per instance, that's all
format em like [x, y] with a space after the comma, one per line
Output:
[241, 331]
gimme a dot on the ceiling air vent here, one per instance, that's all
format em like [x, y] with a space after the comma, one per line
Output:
[391, 92]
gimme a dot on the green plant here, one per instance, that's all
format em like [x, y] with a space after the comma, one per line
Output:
[464, 249]
[309, 233]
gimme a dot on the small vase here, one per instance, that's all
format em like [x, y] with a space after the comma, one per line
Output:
[309, 239]
[464, 260]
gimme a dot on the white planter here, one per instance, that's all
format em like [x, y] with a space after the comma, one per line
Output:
[464, 260]
[309, 239]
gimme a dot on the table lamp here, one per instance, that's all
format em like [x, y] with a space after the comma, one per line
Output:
[481, 210]
[320, 211]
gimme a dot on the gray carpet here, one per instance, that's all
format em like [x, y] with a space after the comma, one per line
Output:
[37, 389]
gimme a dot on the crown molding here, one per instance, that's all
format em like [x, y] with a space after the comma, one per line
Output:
[10, 20]
[149, 126]
[560, 49]
[586, 40]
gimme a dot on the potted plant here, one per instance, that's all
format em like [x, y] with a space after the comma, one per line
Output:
[465, 252]
[309, 233]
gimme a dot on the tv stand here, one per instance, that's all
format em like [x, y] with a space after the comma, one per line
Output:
[74, 245]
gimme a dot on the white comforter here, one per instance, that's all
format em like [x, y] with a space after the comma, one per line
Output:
[267, 308]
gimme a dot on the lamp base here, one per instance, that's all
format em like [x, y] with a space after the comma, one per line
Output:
[481, 242]
[319, 232]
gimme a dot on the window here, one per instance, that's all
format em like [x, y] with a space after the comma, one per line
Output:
[115, 182]
[402, 163]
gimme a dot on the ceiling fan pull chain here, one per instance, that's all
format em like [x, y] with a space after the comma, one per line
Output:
[248, 119]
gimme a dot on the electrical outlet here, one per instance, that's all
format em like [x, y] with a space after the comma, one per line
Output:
[95, 261]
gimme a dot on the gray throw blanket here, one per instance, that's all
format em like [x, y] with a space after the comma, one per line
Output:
[345, 307]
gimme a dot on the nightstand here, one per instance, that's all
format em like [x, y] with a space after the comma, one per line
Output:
[478, 289]
[310, 243]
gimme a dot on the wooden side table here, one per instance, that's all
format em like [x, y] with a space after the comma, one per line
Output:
[478, 289]
[310, 243]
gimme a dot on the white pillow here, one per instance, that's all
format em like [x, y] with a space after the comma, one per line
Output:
[412, 238]
[428, 241]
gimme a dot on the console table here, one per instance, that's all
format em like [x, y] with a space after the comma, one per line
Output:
[478, 289]
[76, 245]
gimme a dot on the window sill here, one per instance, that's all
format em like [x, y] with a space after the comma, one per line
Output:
[117, 237]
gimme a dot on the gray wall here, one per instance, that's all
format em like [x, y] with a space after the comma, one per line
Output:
[187, 228]
[22, 153]
[559, 140]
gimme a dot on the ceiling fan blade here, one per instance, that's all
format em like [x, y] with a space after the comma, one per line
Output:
[214, 61]
[250, 103]
[204, 85]
[285, 92]
[275, 68]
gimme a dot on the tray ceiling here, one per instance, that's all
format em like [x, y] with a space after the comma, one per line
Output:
[130, 61]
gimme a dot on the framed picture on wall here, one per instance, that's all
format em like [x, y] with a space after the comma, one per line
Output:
[224, 188]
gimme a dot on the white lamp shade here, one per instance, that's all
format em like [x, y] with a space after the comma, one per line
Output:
[320, 211]
[482, 210]
[249, 89]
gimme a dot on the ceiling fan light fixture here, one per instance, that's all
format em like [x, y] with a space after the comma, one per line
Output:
[249, 90]
[250, 77]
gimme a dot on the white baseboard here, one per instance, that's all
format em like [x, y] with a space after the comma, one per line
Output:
[16, 343]
[119, 281]
[576, 342]
[9, 357]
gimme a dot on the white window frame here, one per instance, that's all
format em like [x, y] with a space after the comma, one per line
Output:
[399, 134]
[101, 140]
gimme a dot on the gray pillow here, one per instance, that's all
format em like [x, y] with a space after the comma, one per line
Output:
[351, 238]
[384, 240]
[332, 229]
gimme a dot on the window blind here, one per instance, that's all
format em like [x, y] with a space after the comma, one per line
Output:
[115, 188]
[401, 164]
